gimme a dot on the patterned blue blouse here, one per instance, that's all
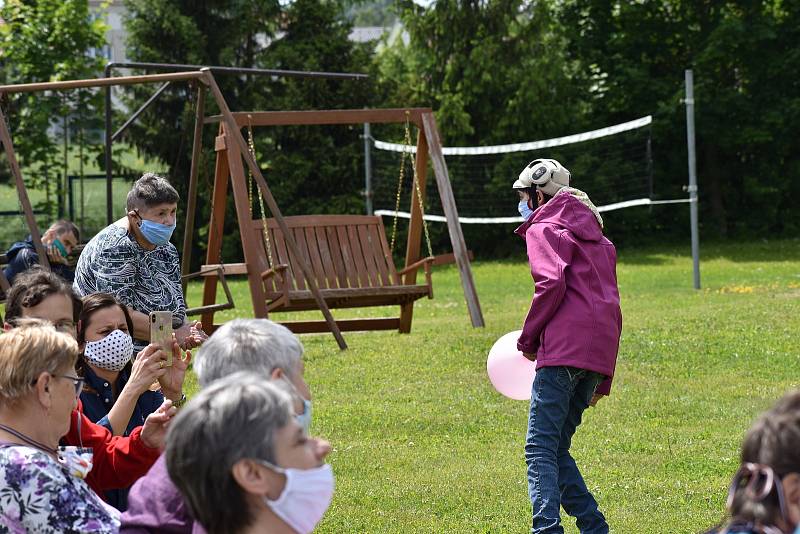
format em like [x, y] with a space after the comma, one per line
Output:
[144, 280]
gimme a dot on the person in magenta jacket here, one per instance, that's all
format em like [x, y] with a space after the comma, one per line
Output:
[572, 332]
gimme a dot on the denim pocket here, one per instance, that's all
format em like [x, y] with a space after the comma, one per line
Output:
[568, 377]
[564, 378]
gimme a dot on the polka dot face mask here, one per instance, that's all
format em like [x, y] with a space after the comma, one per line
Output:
[112, 352]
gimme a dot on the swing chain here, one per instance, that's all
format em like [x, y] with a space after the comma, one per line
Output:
[407, 153]
[400, 179]
[252, 149]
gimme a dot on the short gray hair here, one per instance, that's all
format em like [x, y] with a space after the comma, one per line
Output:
[62, 226]
[151, 190]
[235, 418]
[256, 345]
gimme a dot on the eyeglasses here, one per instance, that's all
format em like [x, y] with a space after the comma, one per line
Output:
[76, 380]
[65, 327]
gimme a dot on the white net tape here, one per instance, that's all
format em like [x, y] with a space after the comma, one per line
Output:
[517, 220]
[524, 147]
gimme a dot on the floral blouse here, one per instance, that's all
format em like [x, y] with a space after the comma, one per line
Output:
[38, 495]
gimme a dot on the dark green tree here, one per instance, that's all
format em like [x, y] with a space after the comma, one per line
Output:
[48, 40]
[316, 169]
[494, 72]
[306, 167]
[740, 52]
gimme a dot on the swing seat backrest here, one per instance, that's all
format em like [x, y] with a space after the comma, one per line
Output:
[349, 258]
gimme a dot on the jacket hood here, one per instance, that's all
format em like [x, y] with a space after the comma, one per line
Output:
[572, 210]
[18, 246]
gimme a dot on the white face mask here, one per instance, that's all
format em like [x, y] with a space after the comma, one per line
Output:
[305, 498]
[112, 353]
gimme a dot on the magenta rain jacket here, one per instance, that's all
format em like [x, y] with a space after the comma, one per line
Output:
[575, 319]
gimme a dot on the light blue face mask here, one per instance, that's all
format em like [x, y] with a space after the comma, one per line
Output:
[524, 210]
[304, 419]
[156, 233]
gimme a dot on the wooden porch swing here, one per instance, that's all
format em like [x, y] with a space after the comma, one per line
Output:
[346, 256]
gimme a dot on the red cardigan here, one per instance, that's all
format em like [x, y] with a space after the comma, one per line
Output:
[118, 461]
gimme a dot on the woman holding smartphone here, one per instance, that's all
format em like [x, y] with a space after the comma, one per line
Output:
[119, 392]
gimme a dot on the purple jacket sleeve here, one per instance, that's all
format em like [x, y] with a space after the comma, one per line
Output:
[604, 387]
[548, 254]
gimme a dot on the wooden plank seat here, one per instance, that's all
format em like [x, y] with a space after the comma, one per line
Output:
[350, 261]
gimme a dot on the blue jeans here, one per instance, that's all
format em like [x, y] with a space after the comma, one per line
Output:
[558, 399]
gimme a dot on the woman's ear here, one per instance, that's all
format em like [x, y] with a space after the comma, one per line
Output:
[276, 374]
[256, 479]
[539, 197]
[791, 492]
[42, 387]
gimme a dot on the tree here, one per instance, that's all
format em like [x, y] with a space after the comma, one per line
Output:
[306, 170]
[316, 169]
[47, 40]
[494, 72]
[740, 52]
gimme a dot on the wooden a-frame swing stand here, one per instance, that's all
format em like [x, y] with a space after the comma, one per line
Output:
[346, 255]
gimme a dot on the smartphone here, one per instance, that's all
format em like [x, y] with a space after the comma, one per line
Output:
[161, 332]
[61, 248]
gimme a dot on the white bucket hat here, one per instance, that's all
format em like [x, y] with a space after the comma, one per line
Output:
[548, 175]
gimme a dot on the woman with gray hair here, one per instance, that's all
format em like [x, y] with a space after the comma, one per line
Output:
[41, 485]
[263, 349]
[256, 470]
[133, 260]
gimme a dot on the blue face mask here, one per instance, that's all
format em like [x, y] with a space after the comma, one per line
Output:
[304, 419]
[156, 233]
[524, 210]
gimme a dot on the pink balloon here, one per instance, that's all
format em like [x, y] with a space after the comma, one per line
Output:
[509, 371]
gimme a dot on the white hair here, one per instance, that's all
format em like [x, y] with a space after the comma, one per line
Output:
[255, 345]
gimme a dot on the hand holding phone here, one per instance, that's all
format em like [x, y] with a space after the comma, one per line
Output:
[161, 332]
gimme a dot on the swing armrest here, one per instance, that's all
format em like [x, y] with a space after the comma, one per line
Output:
[283, 280]
[278, 269]
[424, 262]
[219, 272]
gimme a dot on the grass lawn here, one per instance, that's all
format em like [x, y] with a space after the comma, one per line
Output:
[423, 443]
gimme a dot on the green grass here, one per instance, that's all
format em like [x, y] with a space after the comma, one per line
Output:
[423, 443]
